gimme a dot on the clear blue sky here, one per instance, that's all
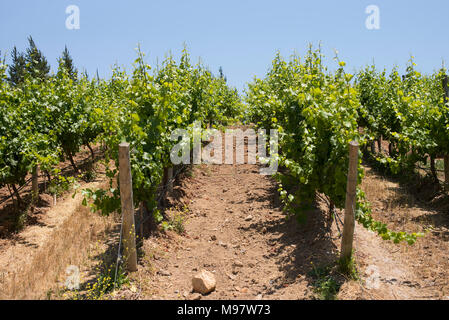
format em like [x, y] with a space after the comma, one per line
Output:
[241, 36]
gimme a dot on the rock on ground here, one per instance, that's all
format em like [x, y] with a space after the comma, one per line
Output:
[204, 282]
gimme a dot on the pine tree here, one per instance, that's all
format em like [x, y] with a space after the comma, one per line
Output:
[221, 74]
[17, 69]
[37, 65]
[66, 62]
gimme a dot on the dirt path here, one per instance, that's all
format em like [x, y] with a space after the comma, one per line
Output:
[236, 229]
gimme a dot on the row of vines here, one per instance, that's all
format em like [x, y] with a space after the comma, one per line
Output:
[318, 112]
[44, 122]
[408, 111]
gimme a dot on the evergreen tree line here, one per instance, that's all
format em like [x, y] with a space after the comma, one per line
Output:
[32, 62]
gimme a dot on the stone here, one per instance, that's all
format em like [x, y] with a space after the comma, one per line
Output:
[224, 245]
[195, 296]
[249, 218]
[238, 263]
[164, 273]
[204, 282]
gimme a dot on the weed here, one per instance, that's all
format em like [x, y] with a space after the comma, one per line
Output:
[105, 282]
[190, 173]
[49, 294]
[61, 184]
[325, 285]
[89, 176]
[20, 220]
[176, 223]
[348, 267]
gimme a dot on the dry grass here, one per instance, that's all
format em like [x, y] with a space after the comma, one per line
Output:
[69, 245]
[399, 207]
[392, 203]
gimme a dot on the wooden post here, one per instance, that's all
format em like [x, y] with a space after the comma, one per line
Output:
[379, 144]
[446, 157]
[170, 179]
[446, 169]
[165, 177]
[433, 168]
[35, 185]
[141, 219]
[126, 197]
[351, 187]
[373, 147]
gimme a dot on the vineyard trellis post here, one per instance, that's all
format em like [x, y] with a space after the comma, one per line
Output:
[35, 185]
[351, 188]
[170, 179]
[126, 197]
[167, 181]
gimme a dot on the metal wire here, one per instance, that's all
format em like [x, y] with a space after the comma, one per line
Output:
[161, 193]
[118, 254]
[20, 188]
[336, 223]
[27, 182]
